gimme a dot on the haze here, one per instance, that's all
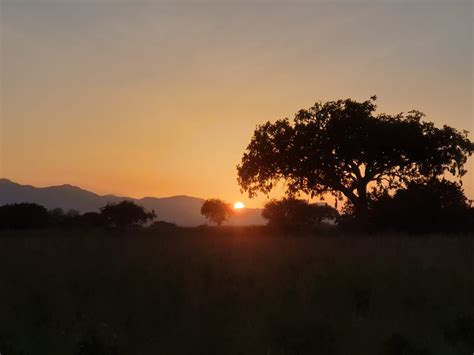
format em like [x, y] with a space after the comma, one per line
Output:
[159, 99]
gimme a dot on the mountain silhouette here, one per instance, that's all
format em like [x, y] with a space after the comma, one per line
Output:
[182, 210]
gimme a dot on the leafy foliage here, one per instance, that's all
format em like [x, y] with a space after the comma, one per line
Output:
[91, 220]
[59, 218]
[125, 214]
[291, 212]
[342, 148]
[432, 206]
[216, 211]
[23, 215]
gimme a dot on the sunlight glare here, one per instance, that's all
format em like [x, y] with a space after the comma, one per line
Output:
[238, 205]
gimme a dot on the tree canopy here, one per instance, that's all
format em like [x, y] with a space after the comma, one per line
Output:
[125, 214]
[23, 215]
[344, 149]
[216, 211]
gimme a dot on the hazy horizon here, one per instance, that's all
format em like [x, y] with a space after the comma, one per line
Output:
[102, 195]
[161, 99]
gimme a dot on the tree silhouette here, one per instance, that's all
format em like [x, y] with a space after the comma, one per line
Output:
[125, 214]
[433, 206]
[216, 211]
[342, 148]
[56, 217]
[291, 212]
[23, 215]
[91, 220]
[59, 218]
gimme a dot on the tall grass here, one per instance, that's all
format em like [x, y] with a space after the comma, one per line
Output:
[234, 291]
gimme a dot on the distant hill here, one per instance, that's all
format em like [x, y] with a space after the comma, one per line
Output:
[182, 210]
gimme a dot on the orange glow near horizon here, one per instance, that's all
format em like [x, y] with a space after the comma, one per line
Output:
[123, 99]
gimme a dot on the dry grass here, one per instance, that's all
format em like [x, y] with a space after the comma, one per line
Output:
[234, 291]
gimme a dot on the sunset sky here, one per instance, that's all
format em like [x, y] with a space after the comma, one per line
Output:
[149, 98]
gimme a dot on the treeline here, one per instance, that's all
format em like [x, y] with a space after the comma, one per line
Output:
[437, 206]
[121, 215]
[434, 206]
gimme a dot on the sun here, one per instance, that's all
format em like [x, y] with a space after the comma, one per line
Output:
[239, 205]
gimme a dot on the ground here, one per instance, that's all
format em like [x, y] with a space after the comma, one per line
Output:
[234, 291]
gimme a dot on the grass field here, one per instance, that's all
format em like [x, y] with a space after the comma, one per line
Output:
[234, 291]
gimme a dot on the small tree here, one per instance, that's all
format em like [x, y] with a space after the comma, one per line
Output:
[91, 220]
[216, 211]
[291, 212]
[125, 214]
[59, 218]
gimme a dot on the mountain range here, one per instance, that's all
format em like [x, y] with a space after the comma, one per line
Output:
[182, 210]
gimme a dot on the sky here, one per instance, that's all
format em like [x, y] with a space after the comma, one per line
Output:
[161, 98]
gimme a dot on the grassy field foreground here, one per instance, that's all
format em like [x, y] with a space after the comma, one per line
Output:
[230, 292]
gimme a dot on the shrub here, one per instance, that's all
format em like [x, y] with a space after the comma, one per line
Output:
[436, 206]
[23, 215]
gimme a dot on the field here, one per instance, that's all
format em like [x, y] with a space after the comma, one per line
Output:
[234, 291]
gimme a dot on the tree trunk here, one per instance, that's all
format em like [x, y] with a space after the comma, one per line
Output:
[360, 202]
[361, 208]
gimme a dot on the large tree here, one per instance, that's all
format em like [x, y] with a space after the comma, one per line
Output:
[343, 148]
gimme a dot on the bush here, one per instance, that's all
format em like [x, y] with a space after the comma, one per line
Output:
[23, 215]
[91, 220]
[59, 218]
[163, 225]
[290, 214]
[436, 206]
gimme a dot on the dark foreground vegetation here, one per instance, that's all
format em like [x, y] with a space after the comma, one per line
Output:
[233, 291]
